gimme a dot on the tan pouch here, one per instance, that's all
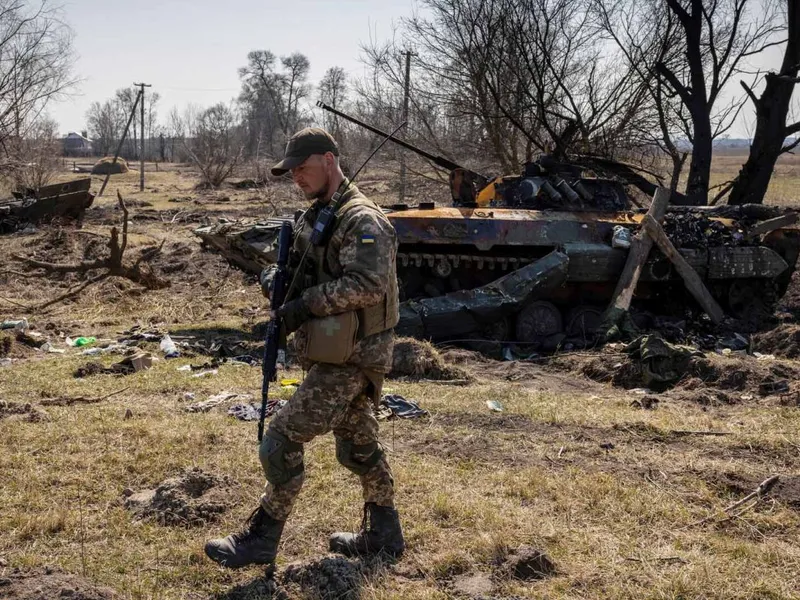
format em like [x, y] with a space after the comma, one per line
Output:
[332, 339]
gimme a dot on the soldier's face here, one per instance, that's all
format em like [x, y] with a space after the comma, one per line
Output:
[313, 176]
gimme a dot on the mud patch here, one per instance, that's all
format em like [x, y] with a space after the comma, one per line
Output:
[329, 578]
[192, 498]
[47, 584]
[475, 585]
[415, 359]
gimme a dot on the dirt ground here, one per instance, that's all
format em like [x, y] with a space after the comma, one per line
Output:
[579, 482]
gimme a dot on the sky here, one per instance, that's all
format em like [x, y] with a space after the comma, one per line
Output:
[190, 51]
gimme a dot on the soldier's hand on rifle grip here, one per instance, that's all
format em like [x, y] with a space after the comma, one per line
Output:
[294, 314]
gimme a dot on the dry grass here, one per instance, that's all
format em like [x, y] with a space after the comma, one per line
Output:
[619, 520]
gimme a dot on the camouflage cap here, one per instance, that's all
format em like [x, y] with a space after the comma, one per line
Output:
[304, 143]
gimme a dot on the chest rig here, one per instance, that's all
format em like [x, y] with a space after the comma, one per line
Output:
[322, 266]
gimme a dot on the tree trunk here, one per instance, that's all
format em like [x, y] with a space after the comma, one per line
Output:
[700, 165]
[771, 131]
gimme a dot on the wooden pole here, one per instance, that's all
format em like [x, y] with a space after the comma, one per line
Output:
[141, 143]
[637, 255]
[119, 146]
[406, 97]
[690, 277]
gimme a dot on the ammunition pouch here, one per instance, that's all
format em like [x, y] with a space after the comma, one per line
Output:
[272, 455]
[358, 458]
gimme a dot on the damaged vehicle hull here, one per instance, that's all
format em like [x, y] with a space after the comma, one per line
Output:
[66, 201]
[445, 251]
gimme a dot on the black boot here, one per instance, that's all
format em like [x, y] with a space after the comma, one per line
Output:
[257, 544]
[380, 532]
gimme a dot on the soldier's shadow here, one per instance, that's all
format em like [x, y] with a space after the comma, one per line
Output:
[327, 578]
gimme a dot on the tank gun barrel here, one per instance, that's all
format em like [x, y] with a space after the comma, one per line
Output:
[438, 160]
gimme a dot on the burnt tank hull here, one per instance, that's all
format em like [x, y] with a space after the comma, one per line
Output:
[446, 250]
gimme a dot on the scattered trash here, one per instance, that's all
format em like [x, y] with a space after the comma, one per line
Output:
[251, 412]
[128, 414]
[6, 362]
[168, 347]
[48, 347]
[207, 405]
[20, 324]
[188, 396]
[184, 368]
[81, 341]
[760, 356]
[131, 364]
[494, 405]
[661, 363]
[394, 405]
[733, 342]
[210, 373]
[607, 446]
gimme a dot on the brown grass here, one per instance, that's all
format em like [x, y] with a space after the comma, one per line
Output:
[570, 466]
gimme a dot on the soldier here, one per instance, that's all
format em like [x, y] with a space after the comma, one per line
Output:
[343, 321]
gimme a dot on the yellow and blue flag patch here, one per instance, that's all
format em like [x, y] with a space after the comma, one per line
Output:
[367, 239]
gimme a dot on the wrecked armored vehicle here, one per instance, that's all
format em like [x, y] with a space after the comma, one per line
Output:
[65, 201]
[452, 262]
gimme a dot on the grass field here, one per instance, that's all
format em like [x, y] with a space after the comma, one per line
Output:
[624, 501]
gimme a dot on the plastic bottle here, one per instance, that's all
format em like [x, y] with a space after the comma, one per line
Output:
[83, 341]
[168, 347]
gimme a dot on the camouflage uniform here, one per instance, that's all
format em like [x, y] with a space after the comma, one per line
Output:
[360, 262]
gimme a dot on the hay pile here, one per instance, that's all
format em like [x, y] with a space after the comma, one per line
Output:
[415, 359]
[106, 165]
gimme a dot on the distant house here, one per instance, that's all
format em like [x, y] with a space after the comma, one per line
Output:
[77, 144]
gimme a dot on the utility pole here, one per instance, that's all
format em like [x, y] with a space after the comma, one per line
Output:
[406, 89]
[141, 151]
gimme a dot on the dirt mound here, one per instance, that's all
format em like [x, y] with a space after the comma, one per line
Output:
[192, 498]
[47, 584]
[735, 485]
[420, 360]
[528, 564]
[23, 412]
[106, 165]
[745, 374]
[332, 577]
[783, 341]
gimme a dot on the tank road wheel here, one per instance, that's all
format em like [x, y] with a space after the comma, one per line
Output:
[537, 321]
[497, 331]
[583, 321]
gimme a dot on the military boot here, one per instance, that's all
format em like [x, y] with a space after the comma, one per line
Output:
[256, 544]
[380, 532]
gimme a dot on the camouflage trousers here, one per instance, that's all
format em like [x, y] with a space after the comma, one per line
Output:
[331, 398]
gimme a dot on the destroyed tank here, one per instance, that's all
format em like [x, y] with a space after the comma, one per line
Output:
[535, 258]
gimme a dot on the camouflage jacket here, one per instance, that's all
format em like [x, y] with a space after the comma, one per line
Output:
[360, 268]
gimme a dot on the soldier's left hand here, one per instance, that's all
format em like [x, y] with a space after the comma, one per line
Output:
[294, 314]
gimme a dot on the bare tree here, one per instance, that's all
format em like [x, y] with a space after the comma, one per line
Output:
[35, 155]
[105, 125]
[271, 98]
[333, 90]
[772, 109]
[214, 143]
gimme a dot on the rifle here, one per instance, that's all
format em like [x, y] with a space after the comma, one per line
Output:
[269, 368]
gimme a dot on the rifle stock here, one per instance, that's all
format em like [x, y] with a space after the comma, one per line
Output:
[280, 283]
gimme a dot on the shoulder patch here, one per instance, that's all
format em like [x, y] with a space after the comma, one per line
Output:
[367, 238]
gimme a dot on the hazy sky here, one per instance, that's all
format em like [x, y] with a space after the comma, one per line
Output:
[190, 51]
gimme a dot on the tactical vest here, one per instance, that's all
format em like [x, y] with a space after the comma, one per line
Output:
[371, 319]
